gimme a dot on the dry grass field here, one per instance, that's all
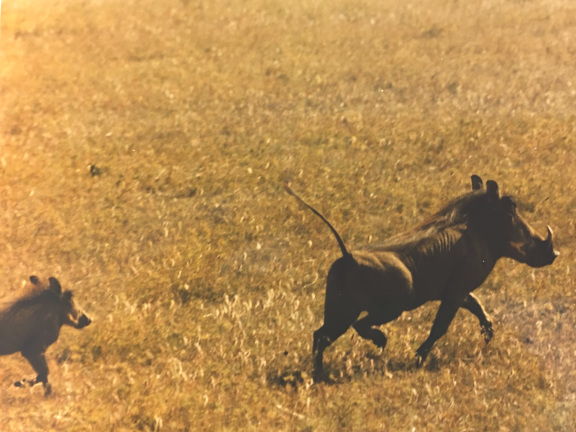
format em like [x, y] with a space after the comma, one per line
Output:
[143, 146]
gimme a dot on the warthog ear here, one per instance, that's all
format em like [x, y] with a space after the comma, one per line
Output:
[492, 189]
[55, 285]
[477, 182]
[34, 280]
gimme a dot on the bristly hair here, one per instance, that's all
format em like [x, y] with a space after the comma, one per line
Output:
[456, 212]
[30, 296]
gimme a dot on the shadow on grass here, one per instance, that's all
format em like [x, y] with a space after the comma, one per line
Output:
[290, 378]
[295, 378]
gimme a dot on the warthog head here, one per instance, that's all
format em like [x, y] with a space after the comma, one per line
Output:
[74, 315]
[509, 231]
[70, 312]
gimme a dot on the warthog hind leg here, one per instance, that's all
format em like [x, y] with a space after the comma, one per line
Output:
[365, 328]
[323, 338]
[321, 342]
[334, 327]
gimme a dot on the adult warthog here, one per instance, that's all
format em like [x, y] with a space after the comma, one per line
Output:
[32, 323]
[445, 258]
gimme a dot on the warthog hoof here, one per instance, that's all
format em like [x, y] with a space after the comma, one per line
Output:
[25, 382]
[319, 376]
[421, 354]
[28, 382]
[380, 340]
[487, 331]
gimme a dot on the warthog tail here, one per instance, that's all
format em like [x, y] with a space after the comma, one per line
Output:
[345, 252]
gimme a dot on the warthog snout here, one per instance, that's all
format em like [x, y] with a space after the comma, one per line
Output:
[74, 314]
[83, 322]
[542, 252]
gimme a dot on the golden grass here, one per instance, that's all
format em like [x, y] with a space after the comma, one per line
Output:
[205, 280]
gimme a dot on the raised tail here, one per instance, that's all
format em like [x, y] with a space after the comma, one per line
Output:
[345, 252]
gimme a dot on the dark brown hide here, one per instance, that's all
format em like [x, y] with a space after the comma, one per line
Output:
[32, 323]
[445, 258]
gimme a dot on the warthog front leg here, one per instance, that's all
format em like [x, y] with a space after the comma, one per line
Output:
[38, 361]
[472, 304]
[444, 317]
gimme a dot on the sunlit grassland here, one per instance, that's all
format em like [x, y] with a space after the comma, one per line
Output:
[143, 145]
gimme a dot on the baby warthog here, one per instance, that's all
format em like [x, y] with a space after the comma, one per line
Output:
[445, 258]
[31, 324]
